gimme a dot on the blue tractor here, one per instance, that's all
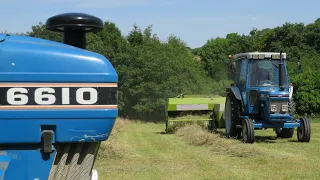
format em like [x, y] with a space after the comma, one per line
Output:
[59, 102]
[261, 98]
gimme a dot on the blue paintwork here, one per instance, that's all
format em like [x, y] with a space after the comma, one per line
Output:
[261, 117]
[5, 160]
[280, 117]
[68, 130]
[28, 165]
[28, 59]
[262, 125]
[51, 114]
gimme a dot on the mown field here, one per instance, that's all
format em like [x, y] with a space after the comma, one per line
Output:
[141, 151]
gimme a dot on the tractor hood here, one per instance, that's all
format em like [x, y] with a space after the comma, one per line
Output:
[274, 92]
[50, 61]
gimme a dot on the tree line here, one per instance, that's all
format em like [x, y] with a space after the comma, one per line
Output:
[151, 70]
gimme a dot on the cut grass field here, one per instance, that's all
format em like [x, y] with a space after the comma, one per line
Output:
[140, 151]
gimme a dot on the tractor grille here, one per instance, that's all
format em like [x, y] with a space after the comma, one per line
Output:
[74, 161]
[276, 107]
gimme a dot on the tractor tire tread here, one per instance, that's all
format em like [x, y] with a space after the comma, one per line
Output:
[250, 131]
[235, 108]
[292, 107]
[306, 135]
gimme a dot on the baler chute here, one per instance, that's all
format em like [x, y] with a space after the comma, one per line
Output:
[204, 110]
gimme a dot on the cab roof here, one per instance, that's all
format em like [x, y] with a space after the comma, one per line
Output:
[259, 55]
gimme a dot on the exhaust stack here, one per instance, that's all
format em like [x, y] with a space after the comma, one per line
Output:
[74, 27]
[281, 78]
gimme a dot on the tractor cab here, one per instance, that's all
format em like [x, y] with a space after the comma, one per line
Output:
[264, 72]
[261, 74]
[261, 97]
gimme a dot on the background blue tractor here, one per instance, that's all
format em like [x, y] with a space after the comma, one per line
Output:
[261, 98]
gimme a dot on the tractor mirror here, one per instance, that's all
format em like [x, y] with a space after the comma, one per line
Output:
[232, 66]
[299, 67]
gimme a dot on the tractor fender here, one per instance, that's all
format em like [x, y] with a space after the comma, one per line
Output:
[235, 90]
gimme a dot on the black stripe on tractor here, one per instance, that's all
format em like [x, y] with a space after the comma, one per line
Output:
[106, 95]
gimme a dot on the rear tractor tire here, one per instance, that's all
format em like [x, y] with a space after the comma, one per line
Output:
[232, 113]
[248, 131]
[304, 131]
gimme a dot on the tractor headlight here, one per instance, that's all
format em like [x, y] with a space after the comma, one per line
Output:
[284, 108]
[273, 108]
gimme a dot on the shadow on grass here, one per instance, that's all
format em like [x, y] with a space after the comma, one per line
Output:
[258, 139]
[294, 140]
[162, 132]
[220, 133]
[265, 139]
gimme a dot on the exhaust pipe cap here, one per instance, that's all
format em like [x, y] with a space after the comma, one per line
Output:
[74, 27]
[75, 21]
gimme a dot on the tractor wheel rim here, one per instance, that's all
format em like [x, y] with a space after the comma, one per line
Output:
[228, 116]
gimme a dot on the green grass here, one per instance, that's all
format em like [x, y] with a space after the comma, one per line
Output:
[141, 151]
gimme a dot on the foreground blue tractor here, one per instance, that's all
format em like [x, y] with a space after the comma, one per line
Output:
[59, 102]
[261, 98]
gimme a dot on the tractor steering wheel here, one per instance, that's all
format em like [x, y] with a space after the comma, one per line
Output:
[265, 82]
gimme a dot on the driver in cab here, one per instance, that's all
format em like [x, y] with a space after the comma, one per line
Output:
[258, 74]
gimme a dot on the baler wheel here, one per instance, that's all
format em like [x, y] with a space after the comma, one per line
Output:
[304, 131]
[248, 131]
[213, 124]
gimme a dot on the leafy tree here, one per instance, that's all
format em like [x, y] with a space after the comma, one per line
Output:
[157, 71]
[150, 70]
[40, 31]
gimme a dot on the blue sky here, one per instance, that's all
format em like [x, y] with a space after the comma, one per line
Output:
[193, 21]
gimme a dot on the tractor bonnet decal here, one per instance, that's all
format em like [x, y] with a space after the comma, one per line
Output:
[58, 95]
